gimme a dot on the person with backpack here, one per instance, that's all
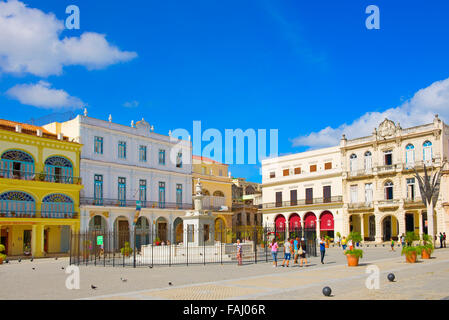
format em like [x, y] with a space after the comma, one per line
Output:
[302, 253]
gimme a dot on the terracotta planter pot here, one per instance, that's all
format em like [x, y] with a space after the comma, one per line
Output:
[353, 261]
[411, 257]
[1, 260]
[425, 254]
[326, 245]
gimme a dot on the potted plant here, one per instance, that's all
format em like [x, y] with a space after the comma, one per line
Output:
[353, 255]
[27, 250]
[157, 241]
[2, 255]
[427, 247]
[126, 250]
[411, 253]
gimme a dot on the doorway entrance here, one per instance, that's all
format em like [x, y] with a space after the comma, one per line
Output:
[4, 240]
[409, 222]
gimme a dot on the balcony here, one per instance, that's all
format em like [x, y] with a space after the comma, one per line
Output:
[388, 204]
[33, 176]
[419, 165]
[214, 203]
[413, 203]
[387, 169]
[359, 173]
[361, 206]
[38, 214]
[133, 203]
[303, 202]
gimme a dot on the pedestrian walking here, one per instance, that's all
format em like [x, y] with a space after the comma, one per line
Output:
[441, 240]
[392, 244]
[350, 244]
[403, 240]
[322, 249]
[274, 251]
[287, 252]
[444, 239]
[302, 253]
[295, 250]
[344, 243]
[239, 252]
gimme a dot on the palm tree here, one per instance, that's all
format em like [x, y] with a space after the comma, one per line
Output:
[429, 187]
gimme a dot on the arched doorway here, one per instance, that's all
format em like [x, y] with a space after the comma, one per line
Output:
[121, 229]
[327, 224]
[279, 227]
[294, 225]
[310, 226]
[355, 223]
[161, 229]
[390, 228]
[220, 230]
[17, 164]
[98, 224]
[178, 227]
[58, 169]
[142, 230]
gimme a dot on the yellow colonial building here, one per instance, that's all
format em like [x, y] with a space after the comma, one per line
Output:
[217, 189]
[39, 190]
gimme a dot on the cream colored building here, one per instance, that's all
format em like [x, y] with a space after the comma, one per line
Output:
[381, 195]
[304, 190]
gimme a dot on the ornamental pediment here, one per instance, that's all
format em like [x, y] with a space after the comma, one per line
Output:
[387, 129]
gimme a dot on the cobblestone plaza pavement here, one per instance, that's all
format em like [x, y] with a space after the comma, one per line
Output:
[427, 279]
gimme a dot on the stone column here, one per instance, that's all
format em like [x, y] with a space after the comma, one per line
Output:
[421, 229]
[37, 240]
[362, 226]
[401, 219]
[378, 237]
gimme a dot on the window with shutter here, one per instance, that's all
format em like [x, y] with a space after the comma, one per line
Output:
[328, 166]
[293, 197]
[297, 170]
[285, 172]
[313, 168]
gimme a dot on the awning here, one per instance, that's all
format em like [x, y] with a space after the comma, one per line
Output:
[310, 221]
[327, 222]
[295, 221]
[280, 222]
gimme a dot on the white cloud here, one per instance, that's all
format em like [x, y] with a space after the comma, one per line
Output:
[41, 95]
[418, 110]
[30, 43]
[131, 104]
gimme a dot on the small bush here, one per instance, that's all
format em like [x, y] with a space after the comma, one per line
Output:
[409, 250]
[410, 237]
[2, 248]
[355, 252]
[355, 237]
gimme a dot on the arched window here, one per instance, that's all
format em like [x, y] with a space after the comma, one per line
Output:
[409, 156]
[59, 169]
[388, 186]
[427, 152]
[16, 203]
[218, 193]
[17, 164]
[368, 161]
[57, 205]
[353, 162]
[206, 192]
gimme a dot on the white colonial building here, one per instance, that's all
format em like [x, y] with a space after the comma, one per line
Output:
[304, 191]
[126, 168]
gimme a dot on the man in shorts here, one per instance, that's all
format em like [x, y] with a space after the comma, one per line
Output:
[287, 252]
[296, 248]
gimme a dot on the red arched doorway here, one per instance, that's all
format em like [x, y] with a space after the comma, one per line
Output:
[310, 221]
[294, 221]
[280, 222]
[327, 224]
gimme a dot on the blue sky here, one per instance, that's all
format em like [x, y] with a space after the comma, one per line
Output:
[295, 66]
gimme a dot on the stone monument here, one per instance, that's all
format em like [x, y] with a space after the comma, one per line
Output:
[198, 224]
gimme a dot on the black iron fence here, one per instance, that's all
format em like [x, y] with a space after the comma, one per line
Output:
[180, 245]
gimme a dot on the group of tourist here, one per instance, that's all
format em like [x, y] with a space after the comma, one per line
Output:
[296, 248]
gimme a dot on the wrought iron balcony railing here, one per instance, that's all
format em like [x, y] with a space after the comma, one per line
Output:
[38, 214]
[33, 176]
[134, 203]
[360, 205]
[303, 202]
